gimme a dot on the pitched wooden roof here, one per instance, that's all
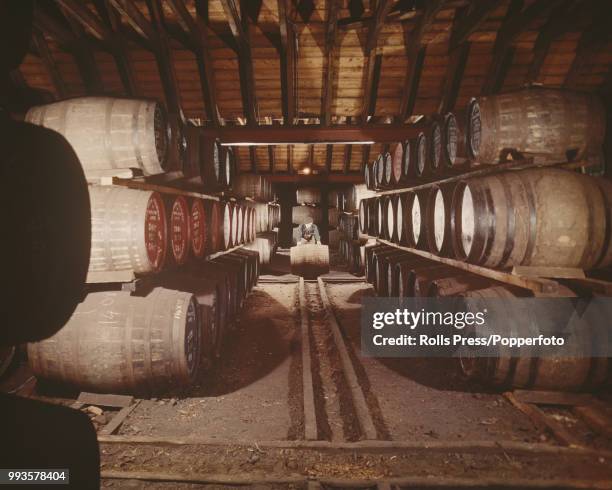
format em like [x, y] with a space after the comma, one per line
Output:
[315, 61]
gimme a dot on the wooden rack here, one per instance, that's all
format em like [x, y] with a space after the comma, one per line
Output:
[482, 170]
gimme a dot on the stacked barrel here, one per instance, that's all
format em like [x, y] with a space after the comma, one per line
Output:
[538, 216]
[266, 231]
[544, 125]
[186, 244]
[310, 207]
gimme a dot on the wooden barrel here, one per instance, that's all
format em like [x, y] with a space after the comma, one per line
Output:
[370, 250]
[309, 261]
[215, 231]
[434, 147]
[380, 261]
[253, 186]
[301, 213]
[422, 278]
[438, 221]
[110, 133]
[262, 217]
[333, 239]
[417, 236]
[400, 160]
[383, 229]
[369, 175]
[379, 172]
[407, 272]
[550, 124]
[355, 194]
[265, 244]
[253, 227]
[226, 299]
[387, 163]
[308, 195]
[332, 217]
[393, 271]
[450, 137]
[536, 217]
[180, 229]
[227, 225]
[468, 131]
[395, 219]
[118, 343]
[236, 266]
[129, 230]
[506, 370]
[253, 264]
[239, 210]
[364, 217]
[404, 215]
[199, 228]
[47, 239]
[418, 157]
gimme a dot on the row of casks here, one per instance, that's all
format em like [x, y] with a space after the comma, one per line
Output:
[265, 244]
[110, 134]
[145, 231]
[401, 274]
[268, 217]
[353, 254]
[535, 217]
[545, 124]
[155, 344]
[253, 186]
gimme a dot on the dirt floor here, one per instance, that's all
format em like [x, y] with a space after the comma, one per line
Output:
[255, 395]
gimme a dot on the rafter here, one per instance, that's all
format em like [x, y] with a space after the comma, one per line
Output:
[516, 21]
[240, 30]
[272, 158]
[477, 13]
[288, 62]
[329, 151]
[136, 19]
[456, 66]
[43, 51]
[197, 33]
[86, 18]
[374, 60]
[415, 53]
[330, 54]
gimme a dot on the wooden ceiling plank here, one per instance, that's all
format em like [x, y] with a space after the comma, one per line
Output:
[135, 19]
[288, 62]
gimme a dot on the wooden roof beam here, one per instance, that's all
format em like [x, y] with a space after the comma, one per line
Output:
[239, 27]
[196, 30]
[415, 53]
[46, 23]
[87, 19]
[470, 22]
[330, 54]
[456, 66]
[374, 60]
[43, 51]
[329, 151]
[136, 19]
[288, 62]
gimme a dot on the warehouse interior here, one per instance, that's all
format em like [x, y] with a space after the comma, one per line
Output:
[202, 196]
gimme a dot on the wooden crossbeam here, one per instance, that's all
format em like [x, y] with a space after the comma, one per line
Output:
[311, 133]
[288, 62]
[330, 54]
[197, 33]
[415, 54]
[240, 30]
